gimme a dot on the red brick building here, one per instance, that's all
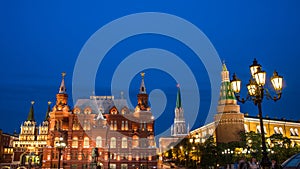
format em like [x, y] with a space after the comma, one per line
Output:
[101, 131]
[6, 147]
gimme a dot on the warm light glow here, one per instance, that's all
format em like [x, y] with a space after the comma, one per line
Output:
[235, 84]
[260, 77]
[251, 88]
[254, 67]
[277, 81]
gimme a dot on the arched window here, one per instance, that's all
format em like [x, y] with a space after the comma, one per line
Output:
[296, 132]
[151, 141]
[98, 141]
[280, 130]
[86, 143]
[124, 142]
[258, 129]
[113, 142]
[265, 130]
[135, 141]
[276, 130]
[75, 142]
[292, 133]
[86, 125]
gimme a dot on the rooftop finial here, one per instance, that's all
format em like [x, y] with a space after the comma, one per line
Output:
[63, 74]
[143, 74]
[62, 88]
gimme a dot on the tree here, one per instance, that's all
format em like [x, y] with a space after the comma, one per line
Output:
[209, 153]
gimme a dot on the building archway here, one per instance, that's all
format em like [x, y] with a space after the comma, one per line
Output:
[23, 159]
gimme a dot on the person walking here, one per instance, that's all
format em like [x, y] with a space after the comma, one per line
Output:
[274, 165]
[253, 164]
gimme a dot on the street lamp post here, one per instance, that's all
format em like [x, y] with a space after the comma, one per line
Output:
[60, 145]
[256, 93]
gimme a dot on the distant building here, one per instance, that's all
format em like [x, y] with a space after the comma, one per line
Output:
[101, 131]
[28, 148]
[179, 129]
[229, 121]
[6, 147]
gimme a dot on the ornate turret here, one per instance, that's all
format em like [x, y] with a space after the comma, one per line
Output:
[142, 96]
[30, 116]
[62, 96]
[179, 127]
[229, 120]
[62, 88]
[48, 111]
[142, 87]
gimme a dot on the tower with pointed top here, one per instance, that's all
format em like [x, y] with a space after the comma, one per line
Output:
[142, 97]
[179, 126]
[229, 120]
[32, 139]
[58, 117]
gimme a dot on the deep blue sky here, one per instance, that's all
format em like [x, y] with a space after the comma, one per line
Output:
[40, 39]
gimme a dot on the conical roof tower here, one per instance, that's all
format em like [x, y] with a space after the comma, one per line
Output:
[229, 120]
[30, 116]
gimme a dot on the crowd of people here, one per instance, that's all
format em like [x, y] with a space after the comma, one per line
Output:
[254, 164]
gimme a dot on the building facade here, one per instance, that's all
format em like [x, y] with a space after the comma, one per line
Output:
[28, 148]
[101, 131]
[229, 121]
[6, 148]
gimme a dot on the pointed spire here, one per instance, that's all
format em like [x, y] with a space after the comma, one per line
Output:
[62, 88]
[30, 116]
[142, 87]
[178, 100]
[226, 93]
[224, 68]
[48, 111]
[225, 73]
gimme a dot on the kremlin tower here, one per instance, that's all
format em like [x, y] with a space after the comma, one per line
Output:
[229, 120]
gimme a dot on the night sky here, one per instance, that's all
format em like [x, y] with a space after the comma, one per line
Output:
[41, 39]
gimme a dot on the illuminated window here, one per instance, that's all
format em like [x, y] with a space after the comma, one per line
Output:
[123, 125]
[75, 142]
[276, 130]
[99, 141]
[124, 166]
[126, 125]
[86, 143]
[124, 142]
[259, 131]
[86, 125]
[112, 166]
[87, 110]
[115, 125]
[113, 142]
[135, 141]
[280, 130]
[151, 141]
[296, 132]
[292, 133]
